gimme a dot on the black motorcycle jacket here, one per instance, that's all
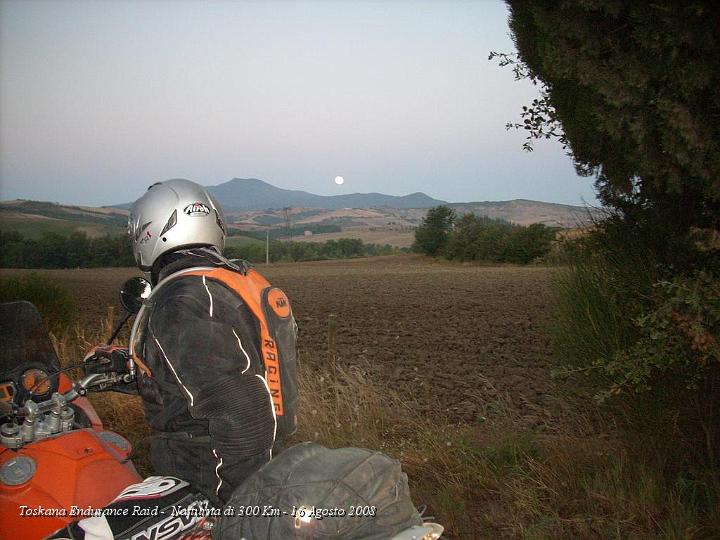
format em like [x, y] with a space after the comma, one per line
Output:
[210, 394]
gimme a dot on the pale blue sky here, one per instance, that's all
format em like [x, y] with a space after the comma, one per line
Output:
[99, 99]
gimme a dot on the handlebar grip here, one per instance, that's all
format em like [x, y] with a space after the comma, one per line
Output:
[108, 360]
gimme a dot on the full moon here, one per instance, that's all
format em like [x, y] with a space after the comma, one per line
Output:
[339, 180]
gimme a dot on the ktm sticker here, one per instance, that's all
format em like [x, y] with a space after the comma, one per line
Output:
[196, 209]
[279, 303]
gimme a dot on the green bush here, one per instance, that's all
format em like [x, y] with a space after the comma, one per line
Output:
[478, 238]
[677, 336]
[636, 325]
[609, 284]
[55, 303]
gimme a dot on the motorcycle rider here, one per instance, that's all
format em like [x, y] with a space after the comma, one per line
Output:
[208, 345]
[214, 348]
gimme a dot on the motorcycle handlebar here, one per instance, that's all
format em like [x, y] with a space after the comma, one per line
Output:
[58, 400]
[84, 384]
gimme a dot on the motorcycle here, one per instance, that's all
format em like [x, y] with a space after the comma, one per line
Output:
[58, 463]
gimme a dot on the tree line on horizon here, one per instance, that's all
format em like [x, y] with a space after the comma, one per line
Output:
[77, 250]
[480, 238]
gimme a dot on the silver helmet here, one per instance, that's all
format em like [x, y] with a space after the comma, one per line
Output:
[172, 215]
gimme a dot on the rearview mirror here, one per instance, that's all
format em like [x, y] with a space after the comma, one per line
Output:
[133, 292]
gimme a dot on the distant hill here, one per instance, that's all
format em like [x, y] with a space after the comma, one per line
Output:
[525, 212]
[33, 218]
[254, 194]
[520, 211]
[242, 198]
[252, 204]
[243, 194]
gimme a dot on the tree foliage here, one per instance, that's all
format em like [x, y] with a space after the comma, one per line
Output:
[632, 89]
[54, 250]
[342, 248]
[479, 238]
[432, 234]
[78, 251]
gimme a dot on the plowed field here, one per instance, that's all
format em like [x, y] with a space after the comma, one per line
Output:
[448, 336]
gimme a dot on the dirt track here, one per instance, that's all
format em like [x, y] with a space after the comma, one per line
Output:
[449, 336]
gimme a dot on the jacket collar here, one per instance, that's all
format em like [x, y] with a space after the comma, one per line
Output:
[194, 257]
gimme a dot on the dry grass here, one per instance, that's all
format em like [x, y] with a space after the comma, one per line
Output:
[572, 475]
[119, 412]
[568, 478]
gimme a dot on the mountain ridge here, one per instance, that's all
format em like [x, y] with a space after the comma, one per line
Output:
[254, 194]
[253, 203]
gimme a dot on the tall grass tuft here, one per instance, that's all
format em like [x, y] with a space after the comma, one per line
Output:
[607, 281]
[634, 321]
[597, 294]
[56, 304]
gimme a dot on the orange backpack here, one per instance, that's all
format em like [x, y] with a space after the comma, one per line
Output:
[278, 330]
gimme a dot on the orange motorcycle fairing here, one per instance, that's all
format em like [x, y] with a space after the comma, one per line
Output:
[76, 473]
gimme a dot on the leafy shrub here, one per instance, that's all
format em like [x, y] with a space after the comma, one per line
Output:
[527, 244]
[609, 287]
[55, 303]
[677, 336]
[479, 238]
[636, 325]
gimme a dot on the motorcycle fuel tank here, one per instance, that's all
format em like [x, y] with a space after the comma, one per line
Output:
[47, 484]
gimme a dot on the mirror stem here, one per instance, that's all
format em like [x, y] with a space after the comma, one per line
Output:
[118, 327]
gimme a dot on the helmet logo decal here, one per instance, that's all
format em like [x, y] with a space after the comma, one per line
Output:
[140, 230]
[196, 209]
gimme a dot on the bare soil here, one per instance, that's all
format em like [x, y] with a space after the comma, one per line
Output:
[450, 337]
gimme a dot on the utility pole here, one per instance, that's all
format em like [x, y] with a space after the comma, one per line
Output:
[267, 246]
[288, 221]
